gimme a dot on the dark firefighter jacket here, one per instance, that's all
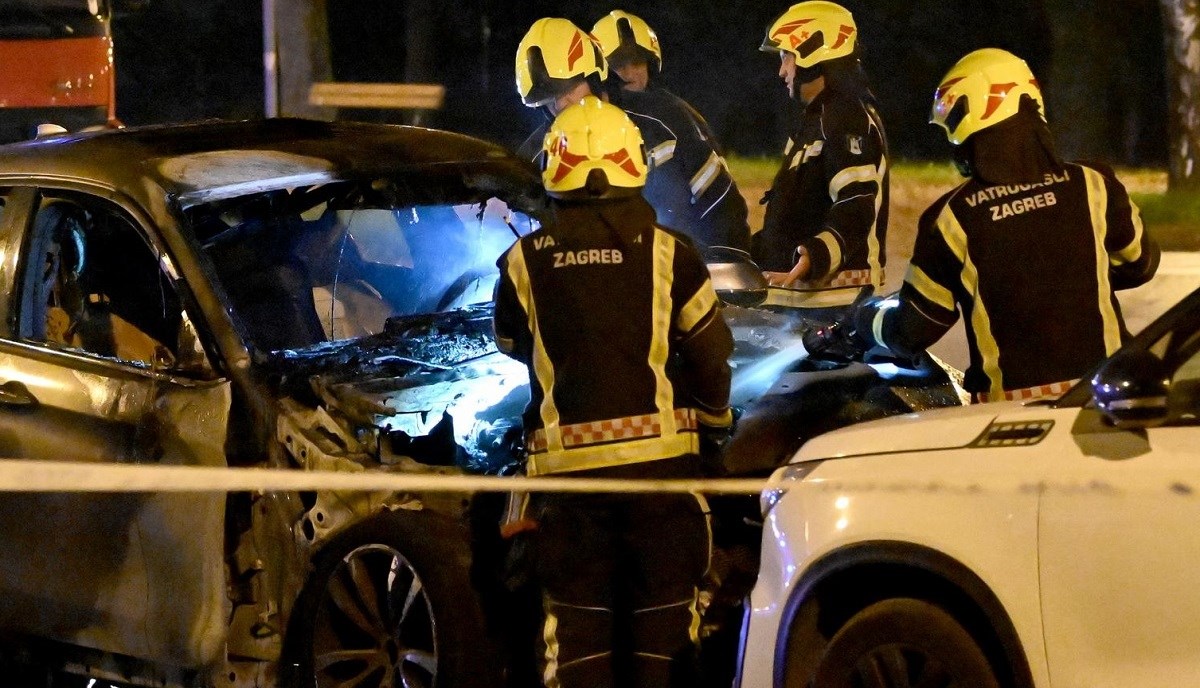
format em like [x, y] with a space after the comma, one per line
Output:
[1032, 267]
[830, 196]
[623, 335]
[688, 184]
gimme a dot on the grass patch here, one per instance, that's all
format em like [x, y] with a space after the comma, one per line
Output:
[760, 172]
[914, 186]
[940, 174]
[753, 172]
[1172, 218]
[1173, 207]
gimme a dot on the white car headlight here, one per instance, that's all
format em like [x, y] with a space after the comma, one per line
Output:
[790, 473]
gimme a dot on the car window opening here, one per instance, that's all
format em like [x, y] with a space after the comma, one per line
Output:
[94, 285]
[331, 262]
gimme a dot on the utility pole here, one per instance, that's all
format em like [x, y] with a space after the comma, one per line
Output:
[295, 56]
[270, 60]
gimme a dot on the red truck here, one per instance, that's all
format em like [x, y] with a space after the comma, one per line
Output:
[56, 65]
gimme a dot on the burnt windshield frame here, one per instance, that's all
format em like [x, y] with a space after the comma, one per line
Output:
[309, 265]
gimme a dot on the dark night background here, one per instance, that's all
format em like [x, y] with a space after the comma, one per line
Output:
[1101, 63]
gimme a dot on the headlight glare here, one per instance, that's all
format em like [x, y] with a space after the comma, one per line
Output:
[792, 473]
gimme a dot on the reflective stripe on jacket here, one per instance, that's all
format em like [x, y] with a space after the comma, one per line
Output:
[1032, 268]
[830, 194]
[623, 335]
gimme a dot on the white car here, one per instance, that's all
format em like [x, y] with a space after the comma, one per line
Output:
[1045, 544]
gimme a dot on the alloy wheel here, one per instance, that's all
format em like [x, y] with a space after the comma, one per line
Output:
[375, 626]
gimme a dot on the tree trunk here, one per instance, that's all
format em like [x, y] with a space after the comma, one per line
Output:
[302, 31]
[1180, 19]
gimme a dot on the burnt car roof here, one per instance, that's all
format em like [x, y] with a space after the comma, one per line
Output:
[194, 160]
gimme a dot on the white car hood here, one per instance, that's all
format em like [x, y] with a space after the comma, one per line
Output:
[934, 429]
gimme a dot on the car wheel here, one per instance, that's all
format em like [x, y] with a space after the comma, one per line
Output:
[903, 642]
[389, 603]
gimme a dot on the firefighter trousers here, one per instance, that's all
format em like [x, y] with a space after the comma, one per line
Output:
[620, 576]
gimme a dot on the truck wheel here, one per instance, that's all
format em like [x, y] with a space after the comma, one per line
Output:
[903, 642]
[389, 603]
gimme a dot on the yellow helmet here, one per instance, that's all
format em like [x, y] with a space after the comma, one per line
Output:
[620, 32]
[982, 89]
[553, 52]
[814, 32]
[589, 136]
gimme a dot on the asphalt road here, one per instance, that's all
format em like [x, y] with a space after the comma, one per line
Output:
[1178, 275]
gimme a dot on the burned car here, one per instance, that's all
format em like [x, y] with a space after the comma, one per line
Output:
[301, 295]
[251, 294]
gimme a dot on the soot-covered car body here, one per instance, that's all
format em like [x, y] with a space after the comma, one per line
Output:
[301, 295]
[252, 294]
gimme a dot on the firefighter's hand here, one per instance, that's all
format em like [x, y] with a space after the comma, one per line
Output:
[798, 272]
[834, 342]
[712, 446]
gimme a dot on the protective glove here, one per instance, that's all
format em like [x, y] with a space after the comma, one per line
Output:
[862, 320]
[712, 448]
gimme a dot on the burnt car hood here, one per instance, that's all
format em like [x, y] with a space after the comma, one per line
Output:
[436, 389]
[434, 386]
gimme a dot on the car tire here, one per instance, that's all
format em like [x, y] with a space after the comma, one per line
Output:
[390, 603]
[903, 642]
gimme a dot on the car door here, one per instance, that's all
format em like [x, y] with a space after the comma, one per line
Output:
[99, 363]
[1120, 546]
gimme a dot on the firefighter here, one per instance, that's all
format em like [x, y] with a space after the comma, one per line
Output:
[557, 65]
[826, 217]
[1029, 249]
[628, 364]
[631, 48]
[689, 185]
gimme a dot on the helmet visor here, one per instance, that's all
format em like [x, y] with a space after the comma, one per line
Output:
[958, 112]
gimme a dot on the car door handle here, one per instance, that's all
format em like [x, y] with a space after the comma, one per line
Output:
[16, 394]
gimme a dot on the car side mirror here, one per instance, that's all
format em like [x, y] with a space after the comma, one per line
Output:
[1131, 389]
[737, 280]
